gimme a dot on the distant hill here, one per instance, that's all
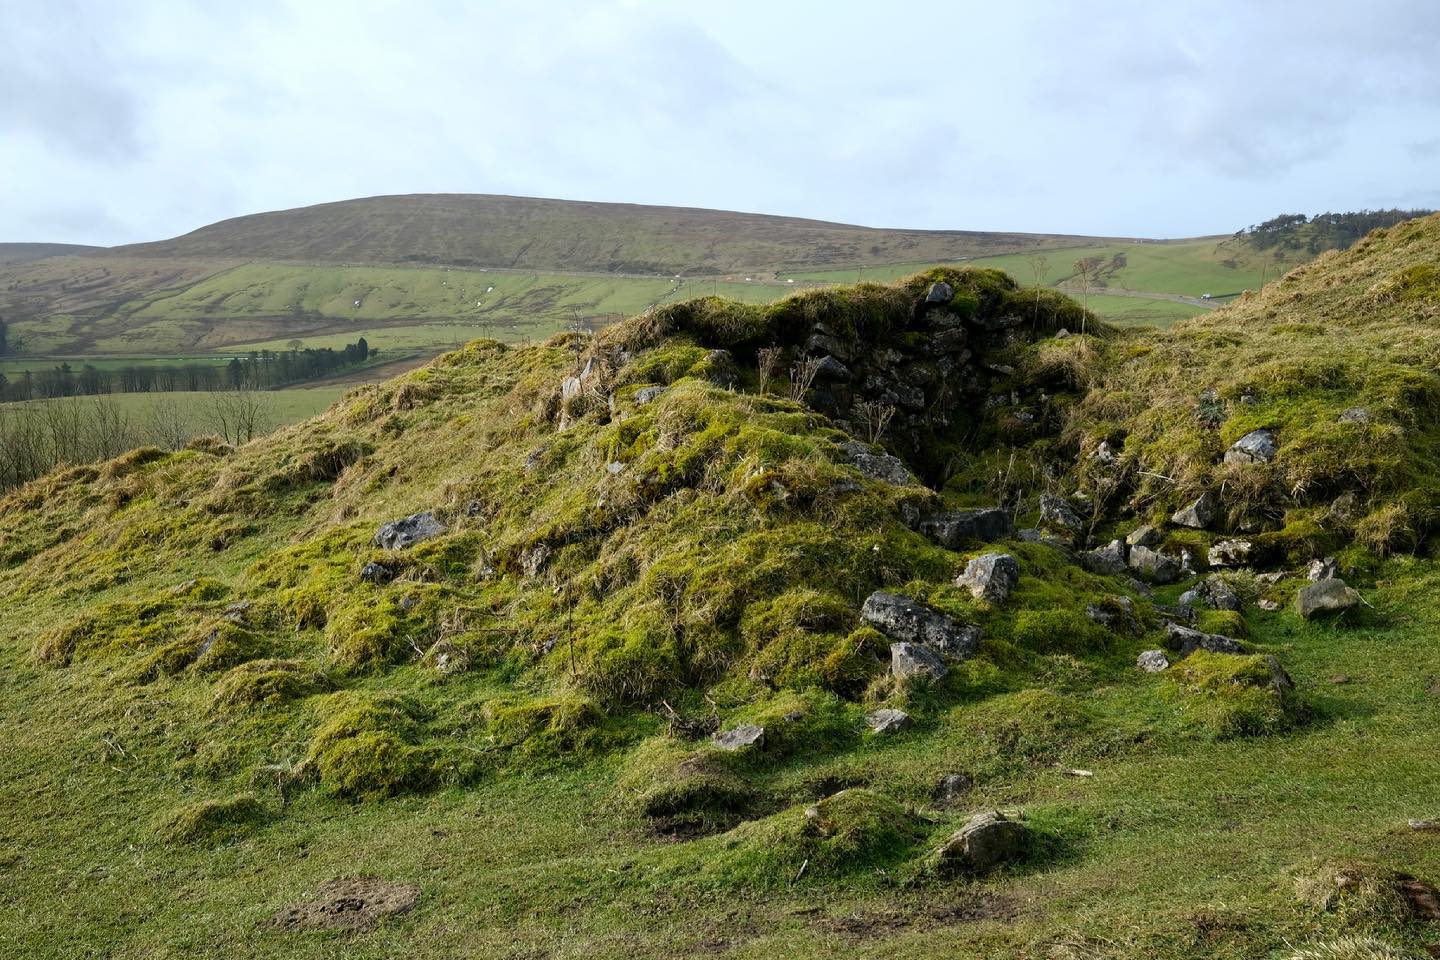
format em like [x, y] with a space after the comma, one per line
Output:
[564, 235]
[26, 252]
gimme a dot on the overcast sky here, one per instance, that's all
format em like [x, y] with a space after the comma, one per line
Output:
[142, 120]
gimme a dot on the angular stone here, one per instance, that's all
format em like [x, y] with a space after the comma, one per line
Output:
[1199, 514]
[743, 737]
[831, 369]
[1057, 513]
[913, 660]
[1107, 560]
[1146, 536]
[953, 786]
[954, 529]
[1154, 566]
[376, 573]
[940, 292]
[1212, 592]
[1186, 641]
[648, 395]
[1153, 661]
[990, 577]
[1325, 596]
[1355, 415]
[1116, 613]
[985, 842]
[1346, 508]
[1327, 569]
[1257, 446]
[406, 532]
[877, 466]
[533, 560]
[903, 620]
[1230, 553]
[888, 720]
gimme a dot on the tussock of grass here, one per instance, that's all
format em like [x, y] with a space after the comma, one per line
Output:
[213, 820]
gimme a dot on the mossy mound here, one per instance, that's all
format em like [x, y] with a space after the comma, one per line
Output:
[211, 821]
[364, 748]
[268, 683]
[1235, 696]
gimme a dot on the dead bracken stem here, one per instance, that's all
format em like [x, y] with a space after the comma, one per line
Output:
[768, 359]
[802, 375]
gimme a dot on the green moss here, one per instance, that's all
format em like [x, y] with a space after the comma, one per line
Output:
[1031, 726]
[268, 683]
[565, 725]
[1051, 631]
[1229, 623]
[211, 821]
[1227, 695]
[125, 625]
[684, 790]
[364, 748]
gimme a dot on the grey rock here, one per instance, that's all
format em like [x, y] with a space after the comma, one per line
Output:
[827, 343]
[1146, 536]
[940, 292]
[1057, 514]
[1327, 569]
[1230, 553]
[1154, 566]
[376, 573]
[648, 395]
[953, 786]
[985, 842]
[1346, 508]
[954, 529]
[1104, 453]
[570, 388]
[1177, 613]
[990, 577]
[1324, 597]
[1257, 446]
[1355, 415]
[888, 720]
[1199, 514]
[1212, 592]
[903, 620]
[1185, 641]
[877, 466]
[406, 532]
[238, 611]
[1268, 605]
[1063, 334]
[912, 660]
[830, 369]
[1108, 560]
[614, 467]
[1280, 681]
[1153, 661]
[1116, 613]
[533, 559]
[744, 737]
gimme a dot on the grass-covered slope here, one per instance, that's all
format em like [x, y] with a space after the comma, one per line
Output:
[220, 694]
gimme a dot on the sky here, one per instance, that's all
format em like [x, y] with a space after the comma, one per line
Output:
[144, 120]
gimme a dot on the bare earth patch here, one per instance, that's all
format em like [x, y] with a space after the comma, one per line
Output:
[349, 903]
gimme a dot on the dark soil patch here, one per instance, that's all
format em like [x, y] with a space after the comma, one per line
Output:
[349, 903]
[871, 925]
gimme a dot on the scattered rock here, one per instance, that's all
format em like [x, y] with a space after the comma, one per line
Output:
[940, 292]
[953, 786]
[1346, 508]
[1107, 560]
[1230, 553]
[349, 903]
[533, 559]
[956, 528]
[1153, 565]
[1268, 605]
[990, 577]
[743, 737]
[905, 621]
[1063, 334]
[888, 720]
[1116, 613]
[1212, 592]
[1327, 569]
[1355, 415]
[237, 612]
[406, 532]
[1177, 613]
[1185, 641]
[376, 573]
[1104, 453]
[831, 369]
[985, 842]
[1325, 596]
[1199, 514]
[912, 660]
[648, 395]
[1257, 446]
[877, 466]
[1146, 536]
[1153, 661]
[1057, 514]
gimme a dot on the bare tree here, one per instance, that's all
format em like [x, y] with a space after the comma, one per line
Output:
[239, 416]
[167, 422]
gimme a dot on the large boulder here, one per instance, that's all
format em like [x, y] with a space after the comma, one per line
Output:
[408, 531]
[954, 529]
[990, 577]
[1199, 514]
[903, 620]
[986, 841]
[1325, 597]
[1153, 565]
[1109, 559]
[1257, 446]
[1185, 641]
[912, 660]
[1145, 536]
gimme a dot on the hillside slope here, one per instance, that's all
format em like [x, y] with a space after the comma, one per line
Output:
[26, 252]
[636, 645]
[573, 236]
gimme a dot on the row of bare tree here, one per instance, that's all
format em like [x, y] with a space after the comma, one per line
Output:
[39, 436]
